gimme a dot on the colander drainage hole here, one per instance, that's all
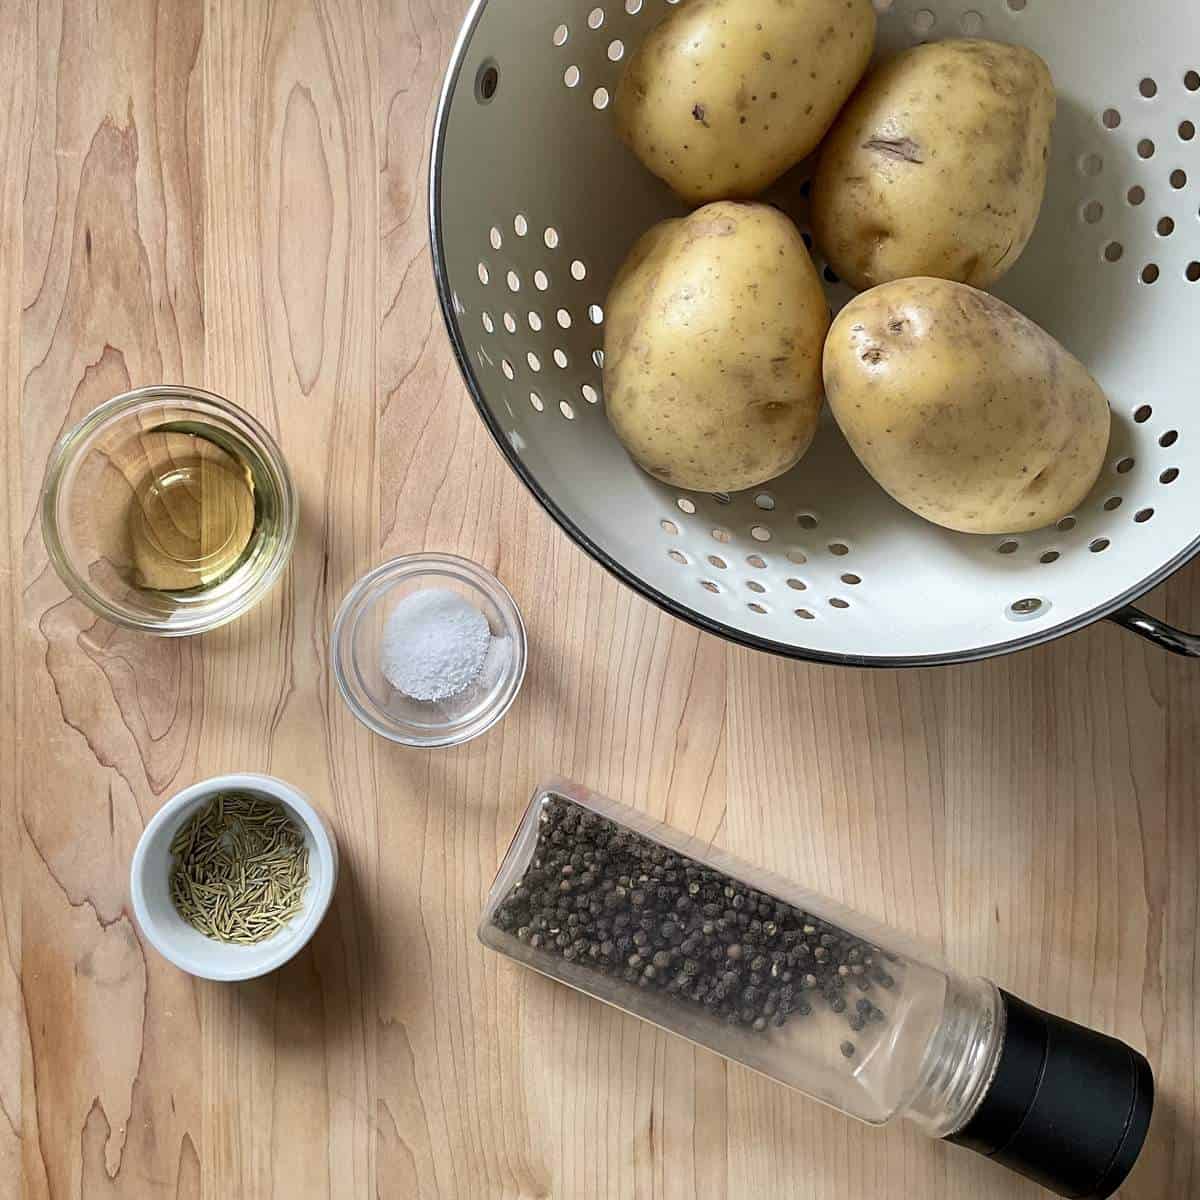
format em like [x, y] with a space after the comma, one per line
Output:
[838, 602]
[560, 359]
[1066, 524]
[1145, 148]
[495, 238]
[1091, 165]
[797, 585]
[1143, 515]
[757, 561]
[760, 533]
[839, 549]
[488, 324]
[571, 76]
[1017, 5]
[678, 556]
[717, 561]
[600, 98]
[633, 7]
[722, 535]
[755, 586]
[1179, 180]
[1169, 475]
[550, 237]
[1114, 252]
[1191, 81]
[520, 225]
[669, 527]
[1150, 273]
[685, 505]
[535, 322]
[590, 394]
[1099, 545]
[709, 586]
[1127, 464]
[851, 580]
[1113, 503]
[807, 521]
[1136, 196]
[1093, 212]
[564, 407]
[560, 35]
[1143, 414]
[1165, 227]
[1111, 118]
[798, 557]
[1148, 88]
[805, 615]
[1192, 274]
[616, 50]
[1187, 131]
[595, 18]
[1026, 609]
[1009, 547]
[1169, 438]
[510, 322]
[1051, 556]
[765, 501]
[755, 607]
[487, 82]
[536, 401]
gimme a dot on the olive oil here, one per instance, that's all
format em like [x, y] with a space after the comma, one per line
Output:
[198, 511]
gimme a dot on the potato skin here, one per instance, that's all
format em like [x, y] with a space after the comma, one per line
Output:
[724, 96]
[937, 166]
[712, 348]
[964, 410]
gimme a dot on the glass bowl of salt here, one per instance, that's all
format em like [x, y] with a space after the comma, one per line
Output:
[429, 650]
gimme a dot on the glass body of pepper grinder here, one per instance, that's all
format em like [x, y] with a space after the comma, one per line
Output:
[635, 913]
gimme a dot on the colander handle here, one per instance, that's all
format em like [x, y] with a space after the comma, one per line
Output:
[1165, 636]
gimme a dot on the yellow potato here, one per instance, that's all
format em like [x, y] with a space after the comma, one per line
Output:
[964, 410]
[724, 96]
[937, 166]
[712, 348]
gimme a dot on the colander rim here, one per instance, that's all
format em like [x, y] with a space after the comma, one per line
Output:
[669, 605]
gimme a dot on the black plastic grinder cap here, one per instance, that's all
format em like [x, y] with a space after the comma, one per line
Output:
[1068, 1108]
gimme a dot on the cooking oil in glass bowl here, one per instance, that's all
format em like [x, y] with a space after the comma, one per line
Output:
[168, 510]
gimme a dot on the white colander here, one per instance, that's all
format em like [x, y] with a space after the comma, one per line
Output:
[534, 203]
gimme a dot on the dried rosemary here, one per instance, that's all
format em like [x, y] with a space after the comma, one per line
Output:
[240, 868]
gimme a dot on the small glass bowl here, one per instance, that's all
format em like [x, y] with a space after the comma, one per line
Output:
[357, 639]
[86, 500]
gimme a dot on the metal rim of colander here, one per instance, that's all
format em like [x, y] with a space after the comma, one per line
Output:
[1116, 609]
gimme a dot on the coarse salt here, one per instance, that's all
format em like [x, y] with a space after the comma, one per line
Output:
[434, 644]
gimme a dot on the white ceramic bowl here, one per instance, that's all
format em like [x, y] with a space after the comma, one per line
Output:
[186, 947]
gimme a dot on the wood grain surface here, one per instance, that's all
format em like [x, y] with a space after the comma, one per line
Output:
[230, 193]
